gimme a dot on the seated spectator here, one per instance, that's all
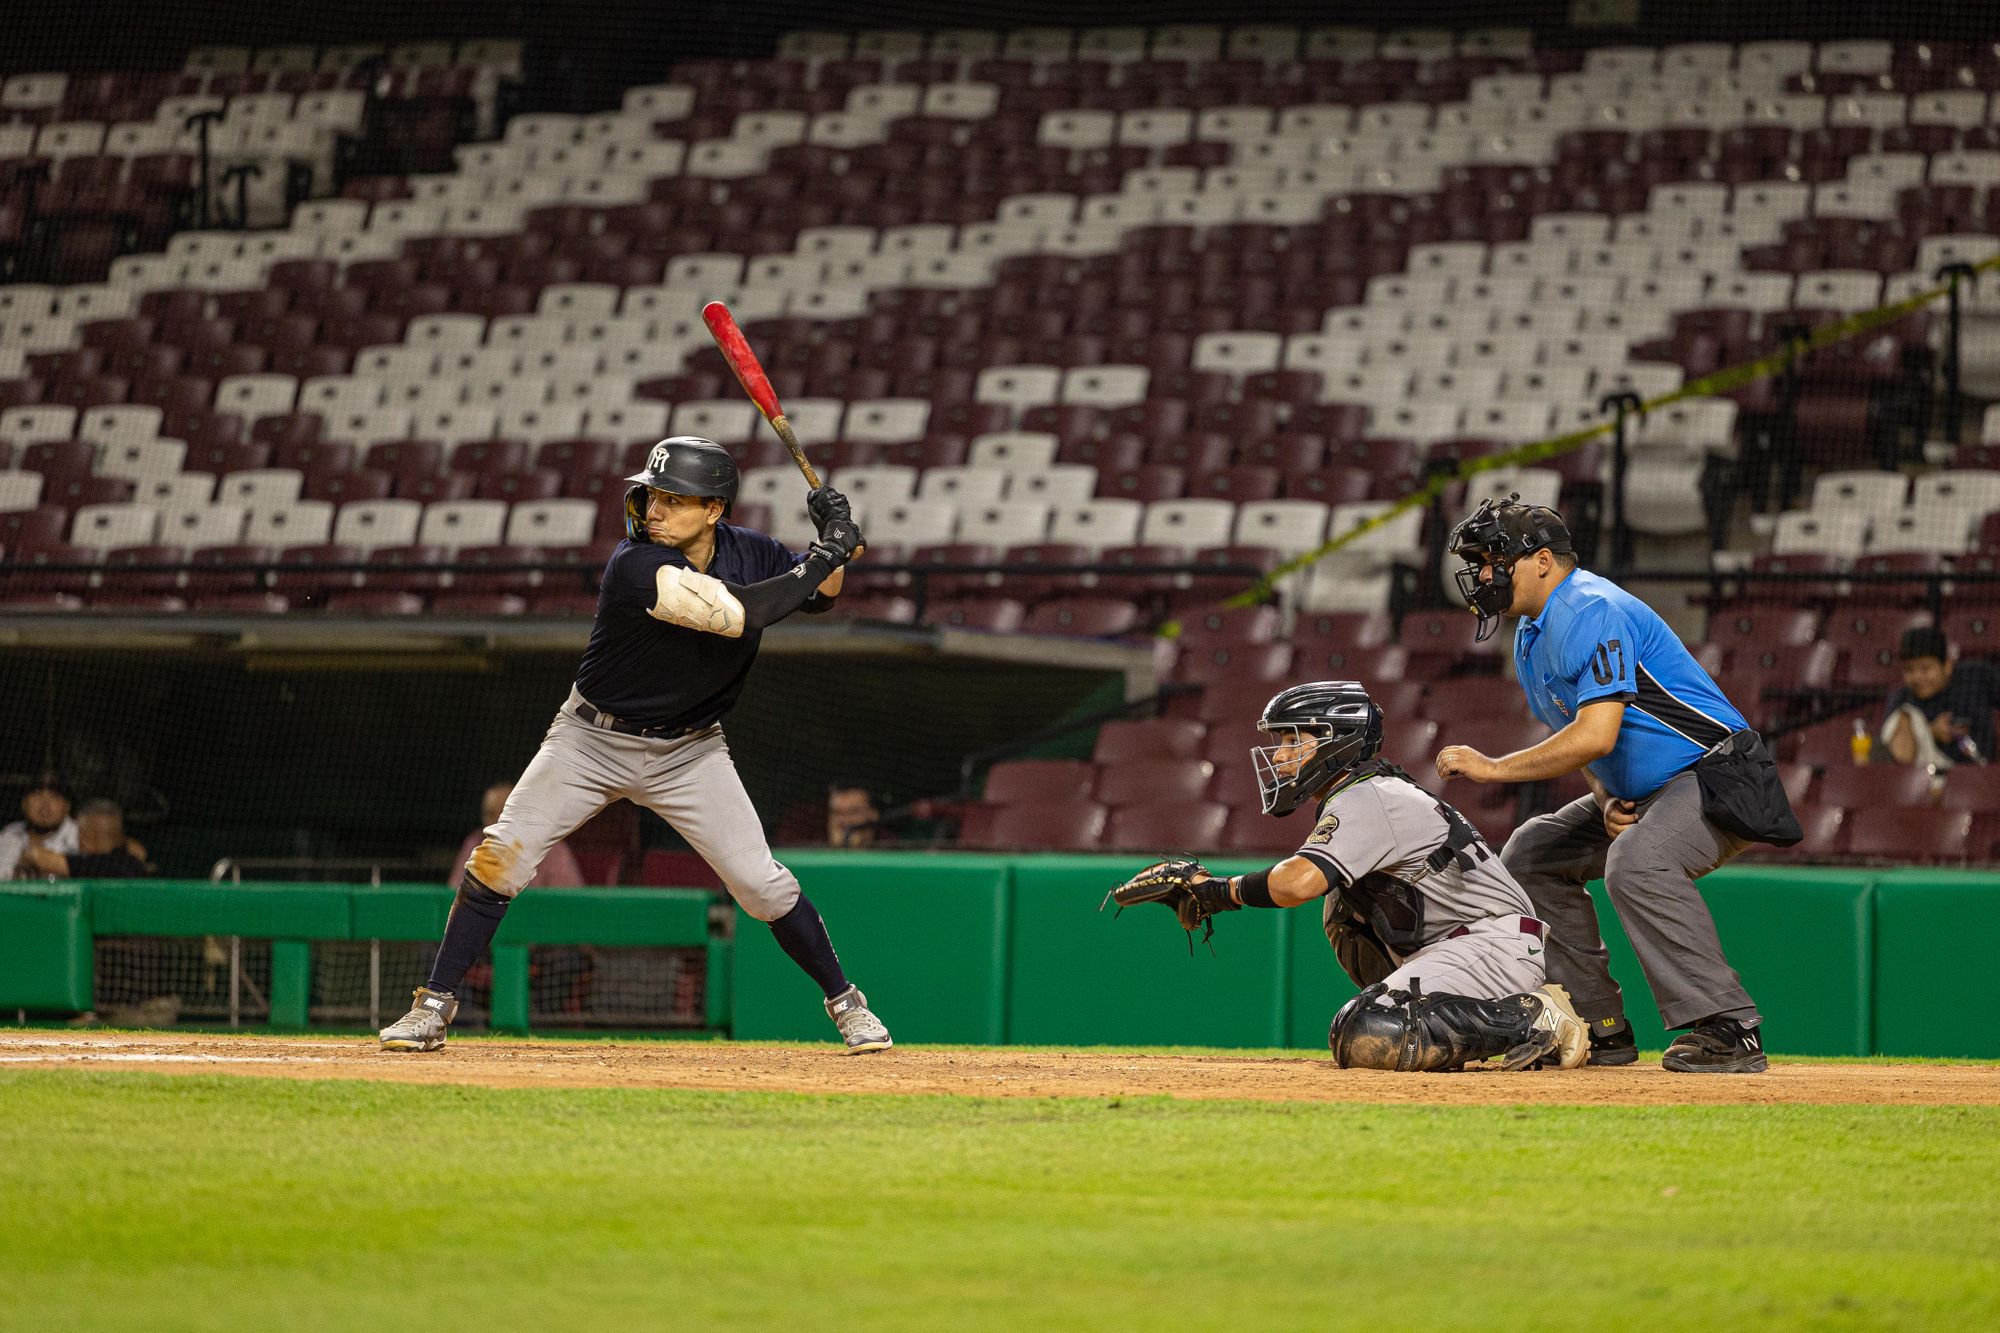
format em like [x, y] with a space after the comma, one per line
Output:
[1942, 714]
[559, 869]
[103, 850]
[44, 824]
[852, 819]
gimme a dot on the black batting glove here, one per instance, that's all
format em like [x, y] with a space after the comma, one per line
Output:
[826, 505]
[838, 541]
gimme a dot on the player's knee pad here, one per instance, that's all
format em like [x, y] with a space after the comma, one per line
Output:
[1411, 1032]
[766, 894]
[470, 888]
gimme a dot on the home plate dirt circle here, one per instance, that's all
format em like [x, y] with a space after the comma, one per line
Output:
[986, 1072]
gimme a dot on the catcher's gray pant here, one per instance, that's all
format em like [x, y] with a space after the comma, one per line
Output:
[1493, 959]
[1650, 872]
[689, 781]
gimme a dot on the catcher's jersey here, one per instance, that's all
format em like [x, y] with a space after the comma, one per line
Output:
[1406, 863]
[654, 674]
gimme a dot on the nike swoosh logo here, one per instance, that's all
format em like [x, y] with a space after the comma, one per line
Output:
[1533, 952]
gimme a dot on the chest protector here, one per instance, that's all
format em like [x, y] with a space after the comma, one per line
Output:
[1390, 907]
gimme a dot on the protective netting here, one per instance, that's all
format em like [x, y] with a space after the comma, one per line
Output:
[223, 980]
[153, 981]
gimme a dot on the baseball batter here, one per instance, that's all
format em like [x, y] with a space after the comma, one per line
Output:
[684, 601]
[1418, 909]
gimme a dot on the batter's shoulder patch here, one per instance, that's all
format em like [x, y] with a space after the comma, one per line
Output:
[1323, 831]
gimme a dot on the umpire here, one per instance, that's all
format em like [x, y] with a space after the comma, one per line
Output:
[1679, 785]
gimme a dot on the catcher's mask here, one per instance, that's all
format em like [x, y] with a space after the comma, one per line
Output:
[682, 465]
[1345, 728]
[1499, 533]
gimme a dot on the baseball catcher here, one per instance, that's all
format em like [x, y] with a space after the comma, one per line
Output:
[1418, 909]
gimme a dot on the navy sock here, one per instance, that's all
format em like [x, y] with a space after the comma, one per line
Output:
[475, 916]
[802, 935]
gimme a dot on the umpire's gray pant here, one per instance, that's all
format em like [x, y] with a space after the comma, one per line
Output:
[1650, 872]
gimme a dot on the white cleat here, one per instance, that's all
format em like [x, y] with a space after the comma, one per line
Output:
[1572, 1046]
[859, 1028]
[423, 1028]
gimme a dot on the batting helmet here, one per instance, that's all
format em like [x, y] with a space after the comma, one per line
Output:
[683, 465]
[1344, 720]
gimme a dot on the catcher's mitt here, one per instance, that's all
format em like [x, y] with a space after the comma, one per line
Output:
[1182, 884]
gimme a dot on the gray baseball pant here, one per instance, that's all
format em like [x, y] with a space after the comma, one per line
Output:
[689, 781]
[1649, 872]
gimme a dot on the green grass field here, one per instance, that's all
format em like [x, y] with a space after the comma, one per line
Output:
[136, 1201]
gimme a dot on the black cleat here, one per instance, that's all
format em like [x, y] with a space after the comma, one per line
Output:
[1613, 1045]
[1717, 1046]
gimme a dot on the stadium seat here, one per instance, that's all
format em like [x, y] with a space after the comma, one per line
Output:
[1855, 787]
[1905, 834]
[1070, 826]
[1167, 827]
[1017, 781]
[1136, 741]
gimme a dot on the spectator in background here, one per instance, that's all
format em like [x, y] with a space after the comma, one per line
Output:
[852, 819]
[45, 824]
[1942, 714]
[103, 850]
[558, 870]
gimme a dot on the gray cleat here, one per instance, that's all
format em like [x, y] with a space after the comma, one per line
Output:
[423, 1028]
[859, 1028]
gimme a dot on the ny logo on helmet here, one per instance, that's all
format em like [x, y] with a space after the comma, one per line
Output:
[658, 459]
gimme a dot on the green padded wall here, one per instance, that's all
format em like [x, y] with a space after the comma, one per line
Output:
[45, 954]
[1082, 977]
[1799, 938]
[923, 934]
[1937, 988]
[197, 907]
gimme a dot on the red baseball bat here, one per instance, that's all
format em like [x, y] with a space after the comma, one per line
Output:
[736, 351]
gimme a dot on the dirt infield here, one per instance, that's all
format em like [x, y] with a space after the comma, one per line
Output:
[986, 1072]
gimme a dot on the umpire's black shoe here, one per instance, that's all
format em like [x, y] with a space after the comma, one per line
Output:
[1613, 1046]
[1717, 1046]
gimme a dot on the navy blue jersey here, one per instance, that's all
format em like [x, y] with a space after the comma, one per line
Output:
[653, 674]
[1596, 641]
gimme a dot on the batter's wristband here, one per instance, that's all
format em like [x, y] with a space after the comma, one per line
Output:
[1254, 889]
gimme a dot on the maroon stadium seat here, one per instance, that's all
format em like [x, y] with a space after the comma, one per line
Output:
[136, 570]
[1474, 697]
[1909, 835]
[313, 585]
[1762, 627]
[1410, 743]
[1248, 624]
[1066, 826]
[1321, 661]
[209, 573]
[1872, 786]
[1153, 781]
[1167, 827]
[995, 615]
[1148, 738]
[1019, 781]
[1083, 617]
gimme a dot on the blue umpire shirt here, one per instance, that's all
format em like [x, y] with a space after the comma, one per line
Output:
[1595, 641]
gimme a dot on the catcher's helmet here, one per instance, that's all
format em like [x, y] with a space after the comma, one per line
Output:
[1501, 532]
[684, 465]
[1344, 720]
